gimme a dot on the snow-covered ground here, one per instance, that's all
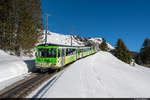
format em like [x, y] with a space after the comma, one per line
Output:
[57, 38]
[103, 76]
[11, 69]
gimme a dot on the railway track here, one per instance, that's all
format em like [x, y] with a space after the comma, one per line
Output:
[26, 87]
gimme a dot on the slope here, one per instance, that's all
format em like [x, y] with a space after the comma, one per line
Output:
[103, 76]
[57, 38]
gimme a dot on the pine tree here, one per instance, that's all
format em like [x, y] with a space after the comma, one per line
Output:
[122, 53]
[138, 59]
[21, 25]
[145, 52]
[146, 43]
[7, 24]
[103, 46]
[128, 57]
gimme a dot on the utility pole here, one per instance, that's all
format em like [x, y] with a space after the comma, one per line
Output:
[71, 34]
[46, 29]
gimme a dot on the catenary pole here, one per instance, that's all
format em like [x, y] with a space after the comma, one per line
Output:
[46, 28]
[71, 34]
[61, 23]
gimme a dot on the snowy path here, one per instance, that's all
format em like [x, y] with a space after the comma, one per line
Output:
[101, 75]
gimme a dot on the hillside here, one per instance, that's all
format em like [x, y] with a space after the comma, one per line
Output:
[58, 38]
[99, 41]
[11, 66]
[104, 76]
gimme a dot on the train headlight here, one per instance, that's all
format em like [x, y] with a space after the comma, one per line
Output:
[53, 64]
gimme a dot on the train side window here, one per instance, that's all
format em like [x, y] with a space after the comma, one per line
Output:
[67, 52]
[78, 50]
[39, 52]
[74, 51]
[70, 52]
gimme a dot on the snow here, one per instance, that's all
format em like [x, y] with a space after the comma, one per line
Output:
[14, 68]
[40, 91]
[104, 76]
[99, 40]
[10, 68]
[57, 38]
[10, 81]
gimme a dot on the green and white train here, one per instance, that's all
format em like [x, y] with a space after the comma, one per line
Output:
[52, 56]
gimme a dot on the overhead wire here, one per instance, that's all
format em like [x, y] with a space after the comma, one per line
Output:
[78, 32]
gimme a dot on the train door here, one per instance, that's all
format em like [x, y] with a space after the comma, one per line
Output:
[62, 56]
[76, 51]
[82, 51]
[79, 53]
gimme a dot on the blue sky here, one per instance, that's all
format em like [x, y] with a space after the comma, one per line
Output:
[110, 19]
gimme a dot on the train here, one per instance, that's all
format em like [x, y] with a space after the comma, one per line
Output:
[54, 56]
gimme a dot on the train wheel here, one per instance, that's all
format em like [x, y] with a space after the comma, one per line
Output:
[43, 70]
[59, 69]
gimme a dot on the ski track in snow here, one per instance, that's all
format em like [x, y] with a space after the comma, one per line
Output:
[99, 79]
[82, 84]
[42, 90]
[13, 66]
[101, 75]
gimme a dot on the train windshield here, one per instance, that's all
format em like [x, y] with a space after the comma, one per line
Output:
[47, 52]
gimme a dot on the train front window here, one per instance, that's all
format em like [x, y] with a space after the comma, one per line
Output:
[50, 52]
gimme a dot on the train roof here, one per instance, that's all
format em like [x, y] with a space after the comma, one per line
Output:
[50, 44]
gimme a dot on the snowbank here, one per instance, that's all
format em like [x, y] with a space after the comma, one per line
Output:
[11, 66]
[103, 76]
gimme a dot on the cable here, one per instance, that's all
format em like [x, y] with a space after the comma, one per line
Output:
[79, 33]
